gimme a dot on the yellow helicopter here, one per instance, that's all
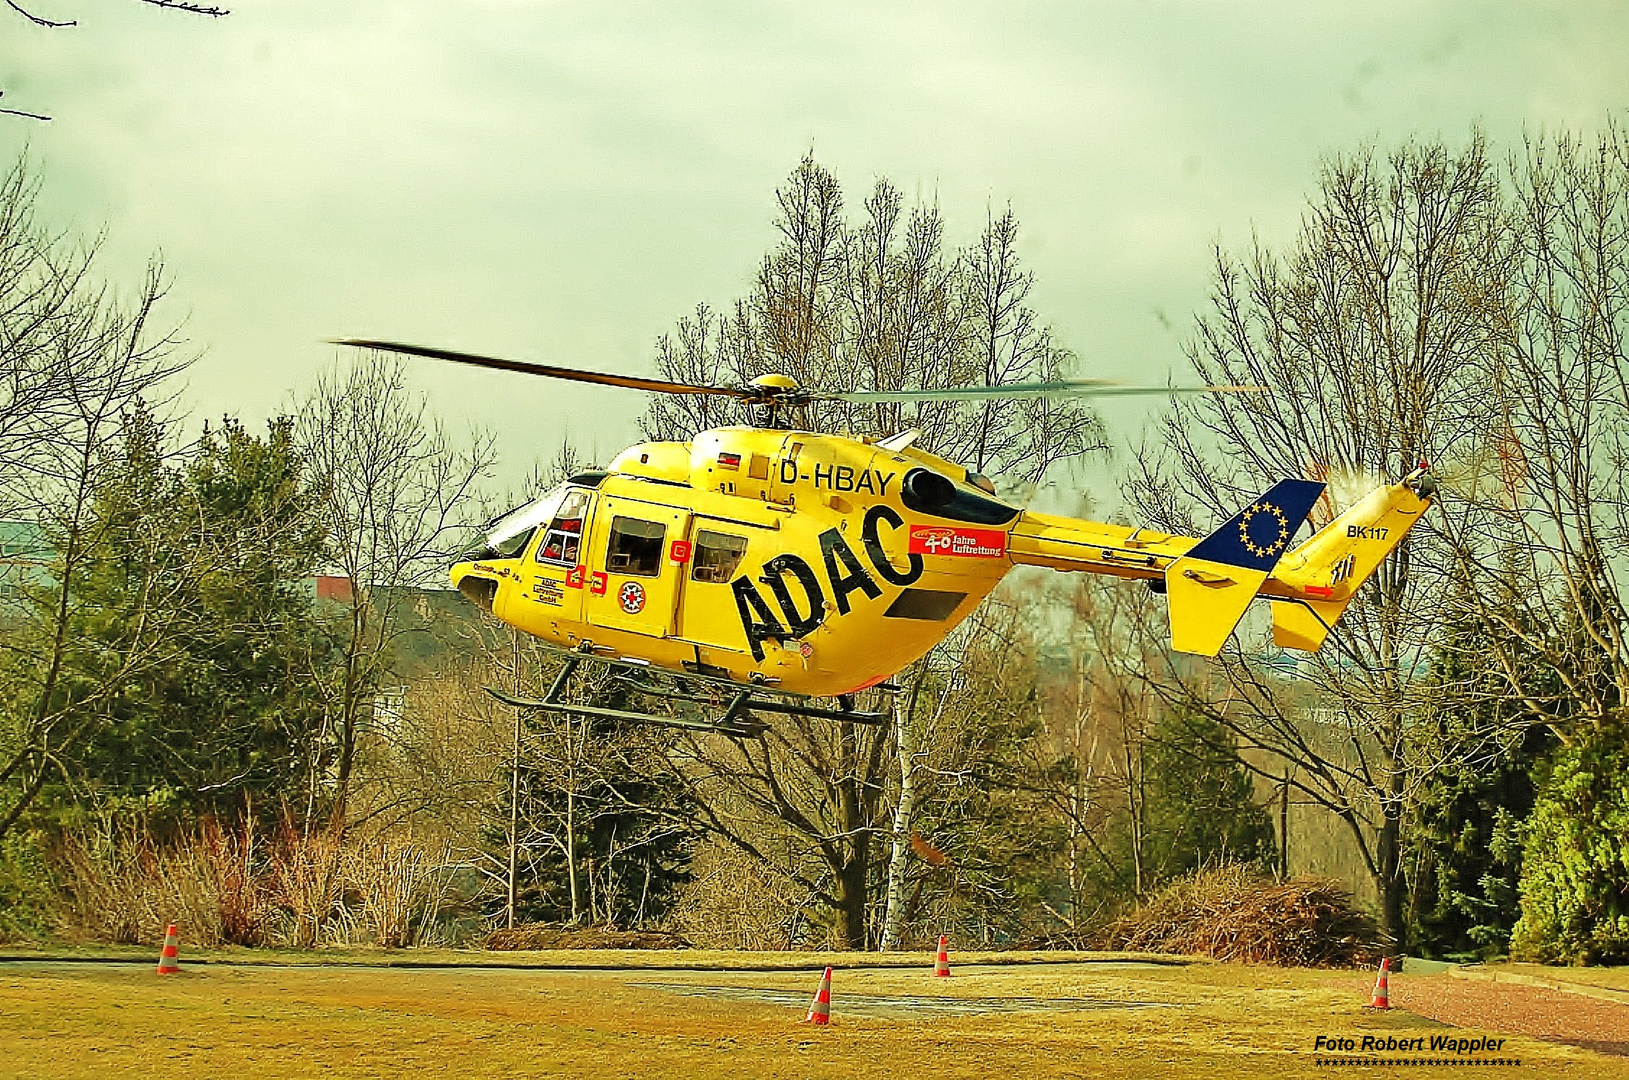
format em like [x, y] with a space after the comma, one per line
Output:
[763, 566]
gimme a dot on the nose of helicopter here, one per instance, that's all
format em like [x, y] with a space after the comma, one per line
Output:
[475, 582]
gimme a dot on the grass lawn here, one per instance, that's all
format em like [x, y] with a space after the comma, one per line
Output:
[1093, 1019]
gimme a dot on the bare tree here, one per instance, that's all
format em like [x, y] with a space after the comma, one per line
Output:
[875, 303]
[74, 358]
[25, 11]
[394, 492]
[806, 800]
[431, 772]
[980, 839]
[1372, 333]
[879, 304]
[44, 281]
[1550, 501]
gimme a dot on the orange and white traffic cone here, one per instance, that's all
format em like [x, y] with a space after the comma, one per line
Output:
[941, 966]
[169, 962]
[1382, 996]
[820, 1009]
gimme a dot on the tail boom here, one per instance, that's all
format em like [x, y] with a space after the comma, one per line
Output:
[1210, 581]
[1317, 580]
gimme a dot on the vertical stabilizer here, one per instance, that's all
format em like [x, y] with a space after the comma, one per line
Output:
[1211, 585]
[1326, 571]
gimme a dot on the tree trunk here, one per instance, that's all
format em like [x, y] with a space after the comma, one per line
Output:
[514, 828]
[905, 745]
[1284, 827]
[514, 795]
[350, 705]
[1389, 879]
[853, 844]
[571, 840]
[894, 913]
[851, 896]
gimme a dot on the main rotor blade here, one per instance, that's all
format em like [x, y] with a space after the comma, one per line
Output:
[633, 382]
[1074, 388]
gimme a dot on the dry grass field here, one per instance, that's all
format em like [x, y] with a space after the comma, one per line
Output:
[695, 1014]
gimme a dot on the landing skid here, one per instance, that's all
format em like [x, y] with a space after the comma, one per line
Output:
[736, 721]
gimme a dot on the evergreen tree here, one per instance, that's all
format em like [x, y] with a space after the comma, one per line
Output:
[1466, 851]
[1201, 806]
[216, 553]
[1575, 871]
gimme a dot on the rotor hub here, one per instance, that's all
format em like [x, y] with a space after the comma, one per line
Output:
[774, 384]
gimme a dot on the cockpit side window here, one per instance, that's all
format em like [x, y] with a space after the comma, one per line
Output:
[562, 542]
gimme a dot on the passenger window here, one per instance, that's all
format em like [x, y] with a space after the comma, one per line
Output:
[716, 556]
[563, 542]
[636, 547]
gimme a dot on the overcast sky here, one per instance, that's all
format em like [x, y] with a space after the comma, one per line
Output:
[560, 182]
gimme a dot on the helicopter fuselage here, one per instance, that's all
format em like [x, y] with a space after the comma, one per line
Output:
[783, 558]
[813, 564]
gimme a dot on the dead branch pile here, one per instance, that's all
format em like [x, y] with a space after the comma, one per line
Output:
[541, 936]
[1234, 913]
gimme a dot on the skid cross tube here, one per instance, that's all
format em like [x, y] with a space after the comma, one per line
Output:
[732, 722]
[560, 679]
[761, 705]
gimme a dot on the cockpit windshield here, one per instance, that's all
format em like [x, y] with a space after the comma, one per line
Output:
[507, 537]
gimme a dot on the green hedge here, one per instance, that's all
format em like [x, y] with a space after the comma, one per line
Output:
[1575, 873]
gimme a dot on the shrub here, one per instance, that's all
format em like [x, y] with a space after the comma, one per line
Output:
[397, 888]
[123, 888]
[225, 887]
[1237, 913]
[304, 877]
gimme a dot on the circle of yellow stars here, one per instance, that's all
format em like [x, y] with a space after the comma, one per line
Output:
[1258, 550]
